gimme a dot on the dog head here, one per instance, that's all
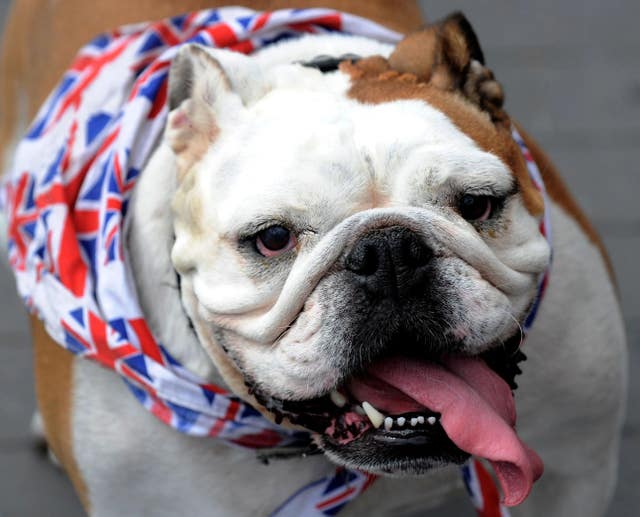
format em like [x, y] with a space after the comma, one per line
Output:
[340, 237]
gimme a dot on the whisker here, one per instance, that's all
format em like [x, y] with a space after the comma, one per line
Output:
[519, 328]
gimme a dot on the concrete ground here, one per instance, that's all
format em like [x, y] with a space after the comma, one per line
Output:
[571, 72]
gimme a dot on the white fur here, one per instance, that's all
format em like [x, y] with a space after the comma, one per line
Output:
[571, 397]
[569, 406]
[249, 175]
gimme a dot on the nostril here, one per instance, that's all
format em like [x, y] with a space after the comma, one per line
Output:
[415, 253]
[363, 260]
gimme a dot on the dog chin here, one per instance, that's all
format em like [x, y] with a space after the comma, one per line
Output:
[395, 453]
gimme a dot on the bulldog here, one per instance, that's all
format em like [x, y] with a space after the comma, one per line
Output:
[351, 245]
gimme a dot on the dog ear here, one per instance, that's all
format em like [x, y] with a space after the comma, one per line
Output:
[448, 56]
[200, 96]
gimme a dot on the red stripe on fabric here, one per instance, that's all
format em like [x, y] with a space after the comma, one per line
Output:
[125, 370]
[110, 236]
[161, 411]
[124, 351]
[232, 410]
[75, 335]
[370, 480]
[118, 172]
[490, 495]
[222, 35]
[159, 102]
[165, 32]
[217, 427]
[49, 254]
[157, 66]
[98, 330]
[72, 188]
[75, 96]
[17, 220]
[244, 47]
[23, 182]
[259, 440]
[67, 154]
[148, 344]
[25, 219]
[142, 63]
[303, 27]
[82, 62]
[343, 495]
[54, 195]
[215, 389]
[330, 21]
[86, 221]
[113, 203]
[261, 21]
[333, 21]
[188, 21]
[73, 270]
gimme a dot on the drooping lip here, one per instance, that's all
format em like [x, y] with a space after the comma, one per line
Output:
[406, 403]
[316, 414]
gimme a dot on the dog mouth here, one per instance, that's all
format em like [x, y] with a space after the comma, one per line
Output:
[406, 415]
[366, 402]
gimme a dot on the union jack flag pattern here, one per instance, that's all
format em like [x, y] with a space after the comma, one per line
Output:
[482, 490]
[545, 225]
[67, 197]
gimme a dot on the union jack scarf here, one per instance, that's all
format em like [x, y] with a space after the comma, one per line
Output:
[67, 197]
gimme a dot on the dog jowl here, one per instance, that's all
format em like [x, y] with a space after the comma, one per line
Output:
[357, 249]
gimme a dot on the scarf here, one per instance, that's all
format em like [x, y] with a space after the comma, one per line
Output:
[67, 197]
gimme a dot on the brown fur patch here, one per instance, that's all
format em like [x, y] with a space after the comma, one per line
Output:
[374, 82]
[447, 55]
[54, 387]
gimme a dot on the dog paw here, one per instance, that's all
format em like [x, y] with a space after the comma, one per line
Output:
[36, 429]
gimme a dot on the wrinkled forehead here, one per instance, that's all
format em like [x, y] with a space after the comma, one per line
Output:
[292, 138]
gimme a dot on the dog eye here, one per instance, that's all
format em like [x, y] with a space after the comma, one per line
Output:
[476, 208]
[274, 240]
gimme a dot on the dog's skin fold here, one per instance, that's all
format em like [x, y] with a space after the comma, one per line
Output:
[571, 395]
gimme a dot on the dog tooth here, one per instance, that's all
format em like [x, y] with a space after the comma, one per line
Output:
[359, 410]
[401, 420]
[374, 415]
[338, 398]
[414, 421]
[431, 420]
[421, 420]
[388, 423]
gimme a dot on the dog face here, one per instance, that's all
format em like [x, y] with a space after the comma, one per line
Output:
[339, 236]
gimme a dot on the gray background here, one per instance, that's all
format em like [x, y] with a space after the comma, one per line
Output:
[571, 72]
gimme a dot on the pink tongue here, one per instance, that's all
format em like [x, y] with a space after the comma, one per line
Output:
[478, 414]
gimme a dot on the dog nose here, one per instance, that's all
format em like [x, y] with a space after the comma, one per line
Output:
[389, 262]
